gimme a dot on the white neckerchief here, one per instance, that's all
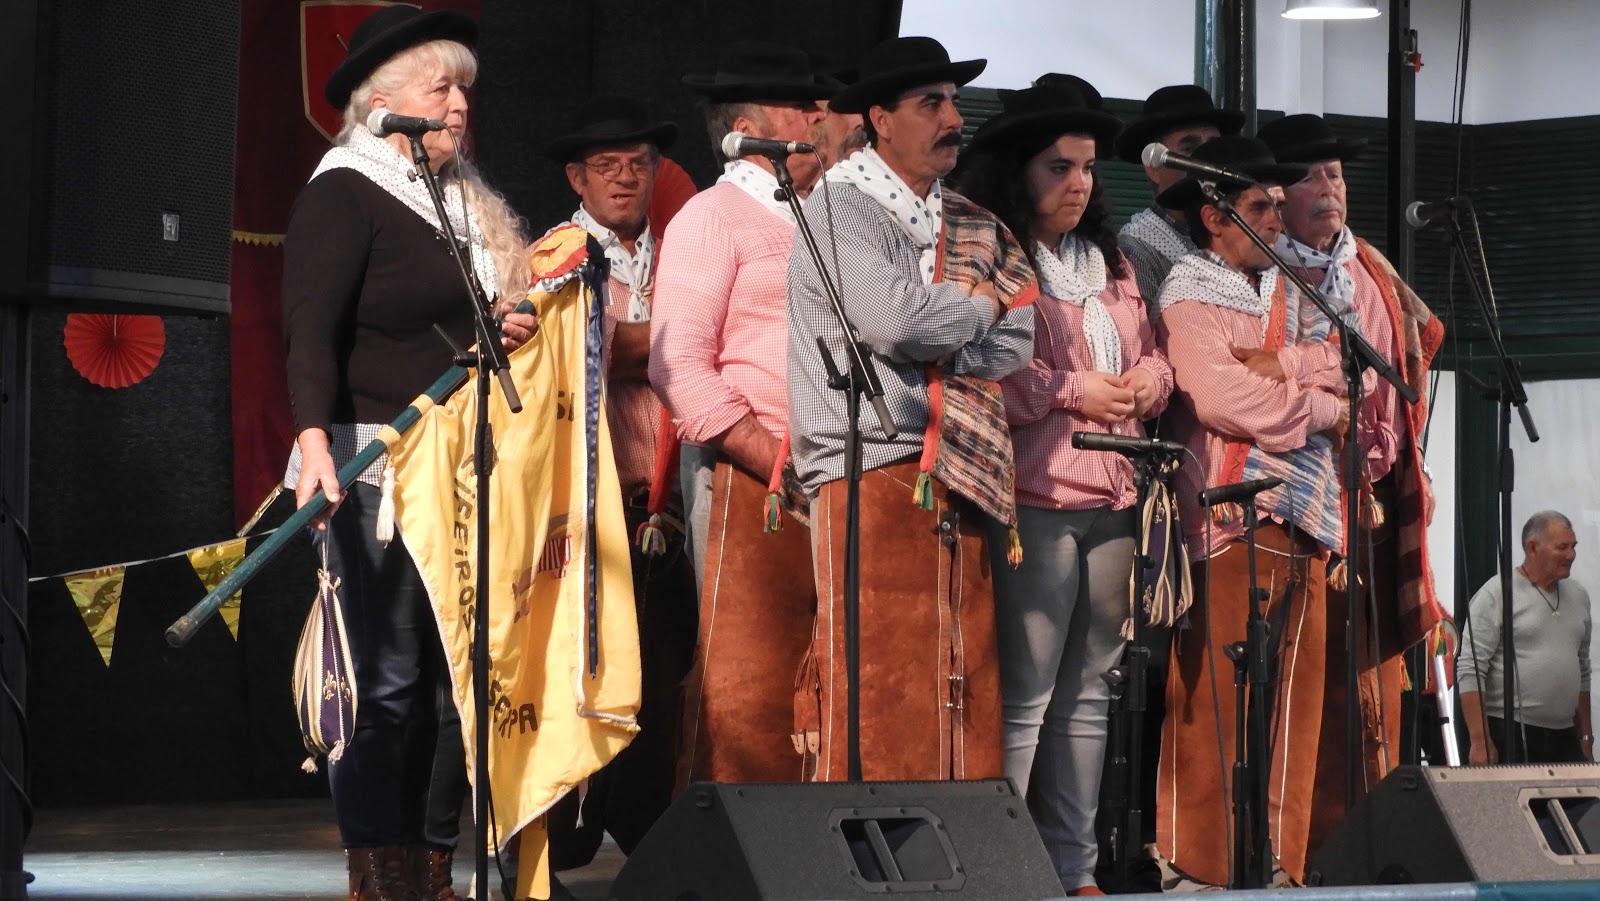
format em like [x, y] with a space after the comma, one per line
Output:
[377, 159]
[1203, 276]
[1156, 230]
[1337, 285]
[1075, 272]
[636, 270]
[921, 220]
[759, 184]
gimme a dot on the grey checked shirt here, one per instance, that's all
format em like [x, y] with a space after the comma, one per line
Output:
[905, 325]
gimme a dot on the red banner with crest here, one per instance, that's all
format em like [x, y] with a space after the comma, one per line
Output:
[287, 48]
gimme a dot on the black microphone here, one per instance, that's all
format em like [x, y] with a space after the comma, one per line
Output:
[1157, 155]
[1235, 494]
[1122, 444]
[1420, 214]
[383, 123]
[738, 144]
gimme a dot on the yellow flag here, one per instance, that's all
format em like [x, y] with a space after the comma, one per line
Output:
[554, 723]
[212, 564]
[98, 595]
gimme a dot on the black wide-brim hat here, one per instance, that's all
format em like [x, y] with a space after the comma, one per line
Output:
[1168, 108]
[387, 33]
[753, 71]
[898, 64]
[1236, 153]
[1308, 138]
[1044, 113]
[1091, 94]
[607, 120]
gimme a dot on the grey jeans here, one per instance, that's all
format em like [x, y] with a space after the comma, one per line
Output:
[1058, 622]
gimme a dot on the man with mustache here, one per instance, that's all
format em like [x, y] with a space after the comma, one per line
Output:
[938, 292]
[1551, 626]
[612, 157]
[1181, 117]
[1227, 312]
[716, 360]
[1396, 497]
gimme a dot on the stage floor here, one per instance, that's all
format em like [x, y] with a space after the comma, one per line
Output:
[242, 851]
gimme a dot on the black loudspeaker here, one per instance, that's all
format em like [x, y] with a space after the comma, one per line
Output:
[1469, 824]
[841, 840]
[130, 197]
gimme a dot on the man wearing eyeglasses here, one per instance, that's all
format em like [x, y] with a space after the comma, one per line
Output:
[612, 157]
[717, 359]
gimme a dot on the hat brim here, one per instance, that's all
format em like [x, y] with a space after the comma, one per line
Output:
[1140, 132]
[1000, 130]
[566, 148]
[1318, 151]
[1187, 193]
[755, 91]
[888, 86]
[440, 25]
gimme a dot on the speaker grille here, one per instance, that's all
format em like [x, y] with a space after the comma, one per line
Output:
[141, 125]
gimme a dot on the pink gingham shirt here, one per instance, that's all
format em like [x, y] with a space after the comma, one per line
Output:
[719, 328]
[1383, 417]
[1221, 400]
[1042, 404]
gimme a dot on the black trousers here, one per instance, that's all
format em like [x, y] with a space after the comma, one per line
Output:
[1533, 744]
[631, 792]
[403, 776]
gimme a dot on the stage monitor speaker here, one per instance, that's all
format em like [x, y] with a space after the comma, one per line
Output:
[841, 840]
[1469, 824]
[131, 195]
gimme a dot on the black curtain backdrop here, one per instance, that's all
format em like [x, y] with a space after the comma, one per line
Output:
[540, 61]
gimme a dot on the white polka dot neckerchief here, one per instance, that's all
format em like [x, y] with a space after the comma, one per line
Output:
[921, 220]
[636, 270]
[759, 184]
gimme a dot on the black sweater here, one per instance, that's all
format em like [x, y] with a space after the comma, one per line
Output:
[364, 281]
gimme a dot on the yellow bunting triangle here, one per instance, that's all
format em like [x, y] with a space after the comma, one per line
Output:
[98, 594]
[212, 564]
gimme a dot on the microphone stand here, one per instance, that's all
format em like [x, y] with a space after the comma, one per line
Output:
[1128, 680]
[1355, 355]
[1252, 753]
[489, 359]
[1509, 392]
[861, 380]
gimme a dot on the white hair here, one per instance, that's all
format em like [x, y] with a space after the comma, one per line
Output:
[500, 228]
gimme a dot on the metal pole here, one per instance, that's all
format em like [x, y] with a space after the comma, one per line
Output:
[16, 809]
[1402, 135]
[1225, 55]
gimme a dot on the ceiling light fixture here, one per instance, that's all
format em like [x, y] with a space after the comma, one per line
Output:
[1330, 9]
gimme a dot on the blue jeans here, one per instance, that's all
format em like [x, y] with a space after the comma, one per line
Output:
[1058, 621]
[403, 775]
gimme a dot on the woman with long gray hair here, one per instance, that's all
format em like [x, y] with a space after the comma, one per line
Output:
[367, 277]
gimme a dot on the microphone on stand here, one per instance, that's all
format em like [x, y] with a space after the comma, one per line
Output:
[1420, 214]
[1157, 156]
[383, 123]
[738, 144]
[1122, 444]
[1239, 493]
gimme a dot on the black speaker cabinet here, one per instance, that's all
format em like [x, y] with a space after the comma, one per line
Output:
[840, 841]
[127, 189]
[1469, 824]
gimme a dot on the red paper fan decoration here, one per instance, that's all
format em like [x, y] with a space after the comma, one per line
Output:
[114, 351]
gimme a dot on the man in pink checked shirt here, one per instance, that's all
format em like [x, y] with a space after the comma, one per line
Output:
[1258, 396]
[718, 352]
[1401, 608]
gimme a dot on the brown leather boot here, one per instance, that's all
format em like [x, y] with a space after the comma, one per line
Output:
[381, 874]
[430, 865]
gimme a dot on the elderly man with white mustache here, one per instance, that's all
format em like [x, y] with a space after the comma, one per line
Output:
[1396, 496]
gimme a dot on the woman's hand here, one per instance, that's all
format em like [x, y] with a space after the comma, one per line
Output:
[317, 473]
[1105, 399]
[518, 329]
[1143, 386]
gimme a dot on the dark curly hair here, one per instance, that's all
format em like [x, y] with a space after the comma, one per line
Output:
[992, 178]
